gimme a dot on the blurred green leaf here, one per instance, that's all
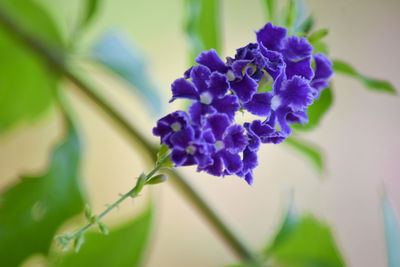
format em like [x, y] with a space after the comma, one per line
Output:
[202, 26]
[32, 210]
[317, 110]
[306, 25]
[291, 14]
[126, 60]
[26, 82]
[304, 242]
[342, 67]
[90, 9]
[392, 233]
[321, 47]
[309, 150]
[317, 36]
[270, 10]
[123, 246]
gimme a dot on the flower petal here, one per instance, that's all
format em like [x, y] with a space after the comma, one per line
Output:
[216, 168]
[178, 156]
[323, 71]
[217, 123]
[211, 60]
[235, 141]
[300, 68]
[274, 62]
[296, 94]
[232, 162]
[283, 125]
[262, 130]
[249, 178]
[181, 88]
[250, 160]
[297, 117]
[238, 67]
[295, 48]
[271, 36]
[227, 105]
[218, 84]
[200, 75]
[198, 111]
[260, 104]
[182, 138]
[245, 88]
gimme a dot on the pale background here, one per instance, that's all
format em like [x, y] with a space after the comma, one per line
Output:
[360, 137]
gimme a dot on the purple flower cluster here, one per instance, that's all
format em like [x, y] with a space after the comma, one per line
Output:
[272, 79]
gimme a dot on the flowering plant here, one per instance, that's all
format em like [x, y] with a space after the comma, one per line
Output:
[267, 92]
[272, 79]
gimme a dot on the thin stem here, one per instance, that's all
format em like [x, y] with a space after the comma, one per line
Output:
[54, 59]
[131, 193]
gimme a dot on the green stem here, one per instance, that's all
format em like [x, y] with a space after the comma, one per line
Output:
[131, 193]
[54, 59]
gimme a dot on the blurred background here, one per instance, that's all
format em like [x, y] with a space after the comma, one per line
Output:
[359, 135]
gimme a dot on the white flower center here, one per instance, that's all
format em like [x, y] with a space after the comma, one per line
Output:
[219, 145]
[176, 126]
[275, 102]
[230, 75]
[190, 149]
[206, 98]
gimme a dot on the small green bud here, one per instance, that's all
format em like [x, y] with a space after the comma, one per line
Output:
[162, 153]
[78, 242]
[103, 228]
[88, 212]
[157, 179]
[139, 185]
[93, 219]
[63, 241]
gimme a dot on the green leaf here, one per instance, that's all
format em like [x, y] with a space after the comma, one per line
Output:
[78, 242]
[342, 67]
[317, 110]
[90, 10]
[88, 212]
[270, 10]
[291, 14]
[32, 210]
[123, 246]
[309, 150]
[103, 228]
[302, 242]
[126, 60]
[305, 26]
[317, 35]
[392, 233]
[27, 82]
[202, 26]
[321, 47]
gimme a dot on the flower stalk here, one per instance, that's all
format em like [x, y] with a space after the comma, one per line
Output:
[78, 238]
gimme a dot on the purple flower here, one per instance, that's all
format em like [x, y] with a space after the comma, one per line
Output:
[209, 92]
[170, 124]
[229, 142]
[188, 150]
[272, 79]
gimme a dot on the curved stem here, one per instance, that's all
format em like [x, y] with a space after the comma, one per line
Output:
[54, 59]
[131, 193]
